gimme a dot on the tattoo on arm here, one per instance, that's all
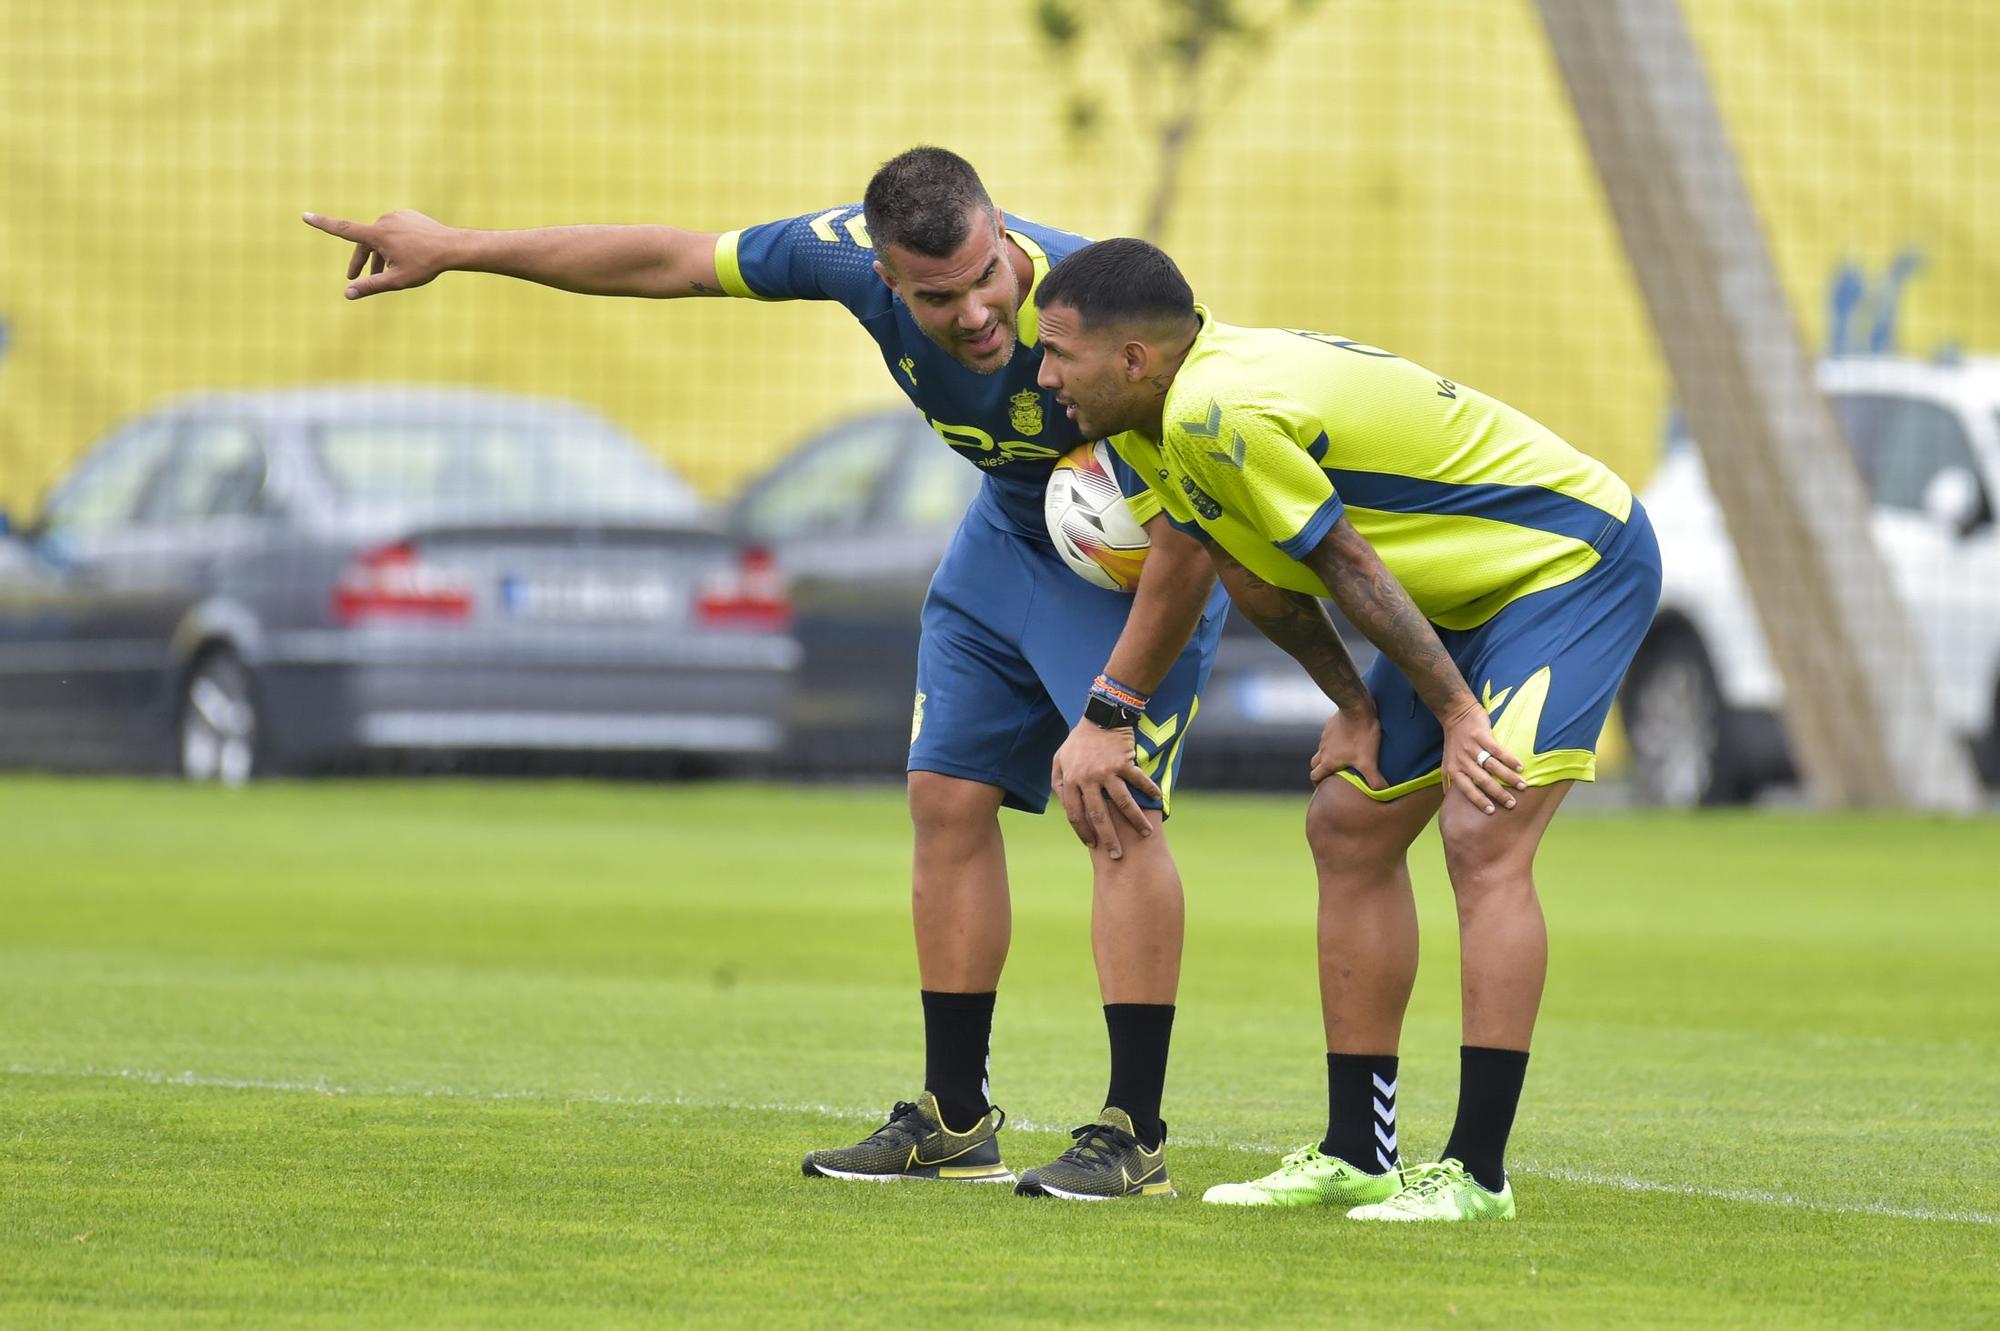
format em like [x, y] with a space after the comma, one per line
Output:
[1298, 623]
[701, 288]
[1369, 595]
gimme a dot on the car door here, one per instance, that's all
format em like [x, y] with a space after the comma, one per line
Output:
[33, 624]
[1949, 578]
[59, 671]
[191, 520]
[858, 520]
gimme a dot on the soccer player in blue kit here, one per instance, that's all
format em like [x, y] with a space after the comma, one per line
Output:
[1027, 676]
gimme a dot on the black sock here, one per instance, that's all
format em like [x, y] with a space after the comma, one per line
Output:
[1140, 1033]
[1361, 1110]
[958, 1032]
[1489, 1090]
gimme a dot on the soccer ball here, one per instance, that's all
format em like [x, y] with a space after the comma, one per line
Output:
[1089, 521]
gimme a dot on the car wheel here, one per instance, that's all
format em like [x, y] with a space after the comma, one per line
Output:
[218, 721]
[1674, 718]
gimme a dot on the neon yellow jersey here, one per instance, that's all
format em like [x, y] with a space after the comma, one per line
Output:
[1272, 434]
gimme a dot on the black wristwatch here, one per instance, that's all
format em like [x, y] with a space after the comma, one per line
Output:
[1101, 711]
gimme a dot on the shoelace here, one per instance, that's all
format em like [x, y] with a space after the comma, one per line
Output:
[1096, 1144]
[1298, 1160]
[900, 1129]
[1426, 1180]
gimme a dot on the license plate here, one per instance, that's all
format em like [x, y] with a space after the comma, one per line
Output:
[591, 599]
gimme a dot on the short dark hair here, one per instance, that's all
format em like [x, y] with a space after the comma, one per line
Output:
[1119, 281]
[919, 200]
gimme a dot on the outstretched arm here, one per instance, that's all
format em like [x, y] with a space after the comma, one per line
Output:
[1374, 602]
[407, 249]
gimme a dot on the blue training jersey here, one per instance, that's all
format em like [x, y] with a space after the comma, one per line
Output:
[1003, 423]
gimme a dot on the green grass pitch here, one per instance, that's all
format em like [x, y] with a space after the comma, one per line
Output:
[508, 1055]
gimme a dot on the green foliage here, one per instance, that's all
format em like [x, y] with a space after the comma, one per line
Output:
[1181, 60]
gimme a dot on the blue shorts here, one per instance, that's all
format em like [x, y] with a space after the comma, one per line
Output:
[1547, 668]
[1012, 640]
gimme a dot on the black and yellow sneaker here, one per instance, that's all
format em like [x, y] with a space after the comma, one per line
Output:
[915, 1143]
[1106, 1163]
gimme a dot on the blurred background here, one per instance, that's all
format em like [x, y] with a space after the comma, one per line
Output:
[255, 529]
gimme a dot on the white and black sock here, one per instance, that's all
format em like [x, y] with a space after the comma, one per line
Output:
[1361, 1110]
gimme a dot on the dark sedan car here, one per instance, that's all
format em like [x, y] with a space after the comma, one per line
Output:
[860, 514]
[257, 581]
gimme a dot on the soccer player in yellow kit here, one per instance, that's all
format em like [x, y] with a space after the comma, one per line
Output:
[1466, 541]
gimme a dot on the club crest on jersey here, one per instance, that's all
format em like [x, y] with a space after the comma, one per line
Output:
[1199, 497]
[1027, 414]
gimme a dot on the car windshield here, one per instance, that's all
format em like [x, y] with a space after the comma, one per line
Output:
[552, 467]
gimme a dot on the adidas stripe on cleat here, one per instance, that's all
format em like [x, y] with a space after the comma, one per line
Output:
[1443, 1191]
[1309, 1177]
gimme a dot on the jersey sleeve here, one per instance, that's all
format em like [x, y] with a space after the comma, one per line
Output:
[1139, 496]
[1261, 463]
[815, 256]
[1146, 500]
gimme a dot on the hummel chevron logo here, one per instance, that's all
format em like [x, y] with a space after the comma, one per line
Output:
[1210, 428]
[822, 226]
[856, 227]
[1385, 1120]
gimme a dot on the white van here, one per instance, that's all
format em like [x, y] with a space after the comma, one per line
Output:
[1702, 700]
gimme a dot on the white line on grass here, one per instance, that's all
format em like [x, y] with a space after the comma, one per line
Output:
[1756, 1196]
[321, 1086]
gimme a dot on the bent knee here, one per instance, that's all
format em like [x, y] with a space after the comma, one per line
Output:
[1481, 848]
[948, 804]
[1352, 835]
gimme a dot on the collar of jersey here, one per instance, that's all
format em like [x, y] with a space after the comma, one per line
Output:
[1195, 349]
[1029, 324]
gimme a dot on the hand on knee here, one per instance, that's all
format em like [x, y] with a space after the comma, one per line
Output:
[1351, 838]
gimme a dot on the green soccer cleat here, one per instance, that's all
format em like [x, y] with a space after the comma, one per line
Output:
[1443, 1191]
[1309, 1177]
[915, 1143]
[1106, 1163]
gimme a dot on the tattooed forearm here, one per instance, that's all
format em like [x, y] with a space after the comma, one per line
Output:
[1297, 623]
[701, 288]
[1371, 598]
